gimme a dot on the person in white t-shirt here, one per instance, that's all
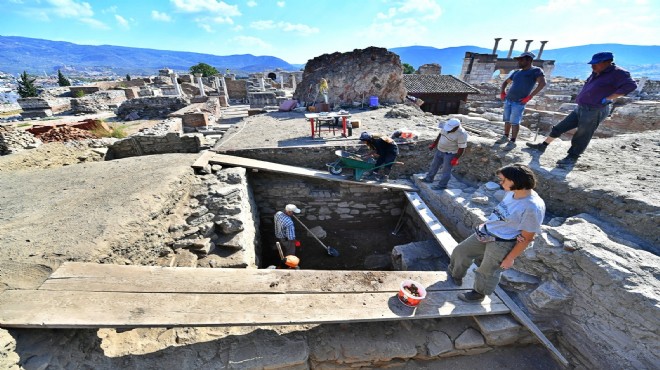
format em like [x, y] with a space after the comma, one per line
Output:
[497, 242]
[451, 143]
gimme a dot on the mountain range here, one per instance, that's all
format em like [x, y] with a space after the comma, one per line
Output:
[37, 56]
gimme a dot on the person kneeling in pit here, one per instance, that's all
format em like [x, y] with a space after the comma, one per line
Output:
[385, 149]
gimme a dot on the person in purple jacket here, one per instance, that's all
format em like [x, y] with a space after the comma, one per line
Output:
[606, 83]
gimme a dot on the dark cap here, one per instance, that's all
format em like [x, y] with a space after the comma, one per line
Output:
[601, 57]
[526, 54]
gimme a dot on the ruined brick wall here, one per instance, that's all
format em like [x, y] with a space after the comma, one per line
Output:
[55, 105]
[354, 77]
[165, 137]
[150, 107]
[98, 101]
[237, 89]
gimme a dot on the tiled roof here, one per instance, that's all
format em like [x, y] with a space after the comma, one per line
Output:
[434, 84]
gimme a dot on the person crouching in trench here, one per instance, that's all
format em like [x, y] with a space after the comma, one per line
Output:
[496, 243]
[386, 150]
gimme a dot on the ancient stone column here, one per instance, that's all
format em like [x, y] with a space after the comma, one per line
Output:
[175, 82]
[541, 50]
[200, 84]
[294, 83]
[513, 42]
[262, 84]
[527, 46]
[497, 41]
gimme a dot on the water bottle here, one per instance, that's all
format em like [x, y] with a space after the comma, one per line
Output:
[350, 129]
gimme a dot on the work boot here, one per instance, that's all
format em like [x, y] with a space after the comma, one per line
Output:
[567, 161]
[509, 146]
[427, 180]
[450, 277]
[540, 146]
[502, 140]
[439, 187]
[471, 296]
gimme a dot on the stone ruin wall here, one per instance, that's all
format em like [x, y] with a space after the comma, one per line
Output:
[354, 77]
[166, 137]
[576, 281]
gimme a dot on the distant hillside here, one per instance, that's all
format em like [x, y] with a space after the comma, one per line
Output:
[38, 56]
[570, 62]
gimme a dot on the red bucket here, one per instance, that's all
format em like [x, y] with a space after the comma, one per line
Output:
[411, 293]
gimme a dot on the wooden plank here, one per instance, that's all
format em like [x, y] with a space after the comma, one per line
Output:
[448, 243]
[439, 232]
[306, 172]
[67, 309]
[203, 159]
[77, 276]
[527, 322]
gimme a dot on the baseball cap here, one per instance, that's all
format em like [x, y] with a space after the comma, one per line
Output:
[601, 57]
[526, 54]
[291, 208]
[365, 136]
[450, 124]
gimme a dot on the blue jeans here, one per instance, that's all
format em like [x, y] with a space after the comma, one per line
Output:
[440, 159]
[513, 112]
[586, 120]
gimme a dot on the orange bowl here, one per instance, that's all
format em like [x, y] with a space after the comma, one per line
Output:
[407, 297]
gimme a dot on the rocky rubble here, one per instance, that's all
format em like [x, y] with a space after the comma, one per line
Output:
[13, 140]
[66, 133]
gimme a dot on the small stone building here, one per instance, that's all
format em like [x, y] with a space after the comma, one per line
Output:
[442, 94]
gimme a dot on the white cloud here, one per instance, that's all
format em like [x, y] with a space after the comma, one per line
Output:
[424, 9]
[281, 4]
[284, 26]
[251, 3]
[71, 8]
[122, 21]
[237, 28]
[163, 17]
[559, 6]
[112, 9]
[214, 6]
[248, 42]
[94, 23]
[300, 28]
[222, 19]
[206, 27]
[262, 25]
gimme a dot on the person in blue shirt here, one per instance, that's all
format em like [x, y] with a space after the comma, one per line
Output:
[521, 91]
[607, 83]
[285, 230]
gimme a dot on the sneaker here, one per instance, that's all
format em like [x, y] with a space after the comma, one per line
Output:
[427, 180]
[540, 146]
[453, 279]
[439, 187]
[471, 296]
[509, 146]
[568, 161]
[502, 140]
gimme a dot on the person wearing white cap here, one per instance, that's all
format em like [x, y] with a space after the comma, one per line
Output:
[522, 82]
[450, 143]
[285, 231]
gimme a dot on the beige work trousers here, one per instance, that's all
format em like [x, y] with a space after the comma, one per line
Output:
[487, 256]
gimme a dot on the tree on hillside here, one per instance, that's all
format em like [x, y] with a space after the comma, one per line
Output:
[408, 69]
[205, 69]
[128, 77]
[61, 80]
[26, 88]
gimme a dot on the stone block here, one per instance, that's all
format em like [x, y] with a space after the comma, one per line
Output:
[438, 343]
[499, 330]
[550, 295]
[195, 120]
[470, 338]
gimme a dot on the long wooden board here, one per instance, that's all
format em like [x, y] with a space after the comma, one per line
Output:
[448, 244]
[300, 171]
[79, 309]
[91, 277]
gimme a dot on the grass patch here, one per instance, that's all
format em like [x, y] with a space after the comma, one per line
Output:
[117, 131]
[24, 125]
[10, 113]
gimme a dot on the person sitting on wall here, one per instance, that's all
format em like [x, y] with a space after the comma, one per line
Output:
[503, 237]
[385, 149]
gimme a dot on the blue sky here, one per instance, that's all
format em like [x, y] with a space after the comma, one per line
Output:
[297, 30]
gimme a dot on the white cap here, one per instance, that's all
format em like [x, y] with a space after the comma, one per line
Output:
[291, 208]
[450, 124]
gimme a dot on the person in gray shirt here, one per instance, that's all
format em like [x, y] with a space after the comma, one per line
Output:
[497, 242]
